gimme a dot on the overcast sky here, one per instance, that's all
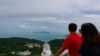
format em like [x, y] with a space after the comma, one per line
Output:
[46, 15]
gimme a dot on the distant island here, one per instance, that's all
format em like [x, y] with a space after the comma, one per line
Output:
[42, 32]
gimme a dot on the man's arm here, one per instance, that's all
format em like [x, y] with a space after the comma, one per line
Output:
[64, 46]
[59, 52]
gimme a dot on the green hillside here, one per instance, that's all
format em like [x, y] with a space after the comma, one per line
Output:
[15, 44]
[55, 44]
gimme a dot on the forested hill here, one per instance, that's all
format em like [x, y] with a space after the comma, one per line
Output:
[16, 43]
[55, 44]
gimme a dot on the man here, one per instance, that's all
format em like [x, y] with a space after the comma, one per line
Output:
[72, 42]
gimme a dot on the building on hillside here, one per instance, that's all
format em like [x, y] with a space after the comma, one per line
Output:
[12, 52]
[31, 45]
[37, 45]
[24, 53]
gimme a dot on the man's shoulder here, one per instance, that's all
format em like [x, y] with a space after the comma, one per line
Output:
[74, 34]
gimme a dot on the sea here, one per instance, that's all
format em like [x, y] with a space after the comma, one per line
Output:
[43, 36]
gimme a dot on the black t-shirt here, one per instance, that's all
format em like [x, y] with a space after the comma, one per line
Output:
[89, 50]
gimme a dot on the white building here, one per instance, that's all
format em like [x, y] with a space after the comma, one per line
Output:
[31, 45]
[24, 53]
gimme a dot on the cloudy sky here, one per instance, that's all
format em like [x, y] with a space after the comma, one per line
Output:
[20, 16]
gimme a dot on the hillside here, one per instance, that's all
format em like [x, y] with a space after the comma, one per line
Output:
[15, 44]
[55, 44]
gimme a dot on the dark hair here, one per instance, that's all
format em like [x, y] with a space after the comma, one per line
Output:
[90, 33]
[72, 27]
[79, 30]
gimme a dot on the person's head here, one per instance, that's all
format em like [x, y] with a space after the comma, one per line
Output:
[90, 33]
[72, 27]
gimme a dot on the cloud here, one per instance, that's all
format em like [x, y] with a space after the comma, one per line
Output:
[24, 26]
[27, 16]
[45, 14]
[97, 12]
[91, 15]
[46, 6]
[33, 8]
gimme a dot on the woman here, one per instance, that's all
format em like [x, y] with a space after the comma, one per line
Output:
[91, 40]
